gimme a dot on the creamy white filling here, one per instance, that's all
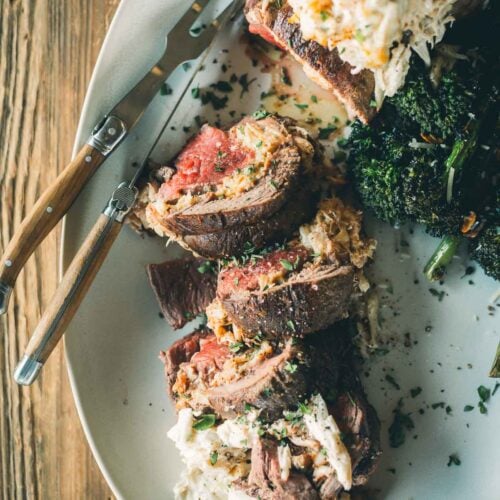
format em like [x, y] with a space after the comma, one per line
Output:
[378, 35]
[322, 427]
[216, 457]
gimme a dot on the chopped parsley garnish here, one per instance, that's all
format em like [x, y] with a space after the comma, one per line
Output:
[213, 457]
[304, 409]
[236, 346]
[397, 431]
[484, 393]
[258, 144]
[325, 132]
[495, 389]
[392, 381]
[415, 391]
[248, 407]
[206, 267]
[453, 460]
[166, 89]
[204, 422]
[291, 325]
[273, 184]
[291, 367]
[195, 92]
[285, 77]
[314, 99]
[217, 102]
[301, 106]
[287, 264]
[468, 408]
[260, 114]
[245, 83]
[186, 66]
[359, 36]
[222, 86]
[436, 293]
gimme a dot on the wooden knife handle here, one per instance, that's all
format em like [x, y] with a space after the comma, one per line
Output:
[65, 302]
[46, 213]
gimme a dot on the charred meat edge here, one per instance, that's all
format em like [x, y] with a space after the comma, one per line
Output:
[307, 302]
[323, 66]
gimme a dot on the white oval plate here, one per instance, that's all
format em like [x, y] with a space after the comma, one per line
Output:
[112, 344]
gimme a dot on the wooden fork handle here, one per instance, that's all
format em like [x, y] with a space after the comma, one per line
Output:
[70, 293]
[46, 213]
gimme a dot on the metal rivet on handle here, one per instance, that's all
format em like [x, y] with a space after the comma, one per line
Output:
[88, 159]
[8, 263]
[49, 210]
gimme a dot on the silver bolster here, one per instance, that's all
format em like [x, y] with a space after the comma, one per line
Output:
[121, 202]
[108, 134]
[5, 291]
[27, 370]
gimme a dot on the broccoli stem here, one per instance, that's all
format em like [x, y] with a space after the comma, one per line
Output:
[441, 257]
[463, 148]
[495, 369]
[461, 152]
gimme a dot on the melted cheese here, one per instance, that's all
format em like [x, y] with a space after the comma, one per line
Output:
[378, 35]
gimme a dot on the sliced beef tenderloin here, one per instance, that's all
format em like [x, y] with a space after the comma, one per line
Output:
[303, 301]
[359, 422]
[270, 387]
[183, 288]
[298, 210]
[233, 187]
[262, 201]
[271, 20]
[206, 375]
[265, 480]
[181, 352]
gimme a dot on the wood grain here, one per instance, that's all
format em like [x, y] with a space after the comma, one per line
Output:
[48, 210]
[47, 51]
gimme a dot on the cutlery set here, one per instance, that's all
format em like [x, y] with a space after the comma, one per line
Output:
[187, 41]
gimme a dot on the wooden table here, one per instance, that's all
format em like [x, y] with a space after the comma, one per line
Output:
[47, 52]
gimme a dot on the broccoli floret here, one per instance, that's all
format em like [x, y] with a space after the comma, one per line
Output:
[390, 177]
[486, 251]
[438, 111]
[431, 155]
[376, 166]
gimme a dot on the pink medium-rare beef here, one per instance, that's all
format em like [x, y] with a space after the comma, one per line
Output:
[261, 202]
[213, 209]
[183, 288]
[271, 20]
[181, 352]
[206, 160]
[206, 375]
[234, 279]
